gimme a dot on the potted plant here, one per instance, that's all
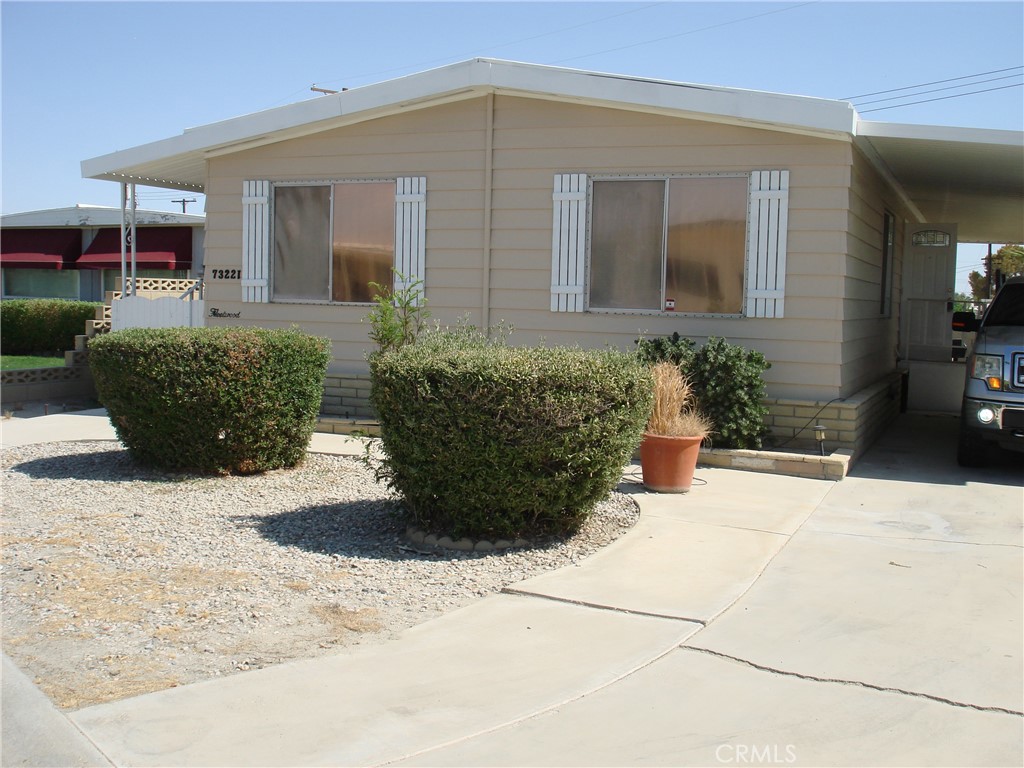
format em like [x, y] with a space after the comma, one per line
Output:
[675, 431]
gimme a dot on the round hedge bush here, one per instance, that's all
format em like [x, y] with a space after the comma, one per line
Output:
[211, 400]
[485, 440]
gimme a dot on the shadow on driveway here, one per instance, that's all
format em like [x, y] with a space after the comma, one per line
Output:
[922, 448]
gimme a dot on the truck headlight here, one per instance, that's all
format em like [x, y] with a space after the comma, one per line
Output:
[988, 368]
[986, 415]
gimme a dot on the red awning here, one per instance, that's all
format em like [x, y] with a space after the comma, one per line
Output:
[157, 248]
[40, 248]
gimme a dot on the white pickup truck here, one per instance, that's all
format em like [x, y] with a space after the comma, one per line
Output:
[992, 413]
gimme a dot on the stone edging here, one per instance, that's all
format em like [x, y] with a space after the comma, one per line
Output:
[832, 467]
[420, 538]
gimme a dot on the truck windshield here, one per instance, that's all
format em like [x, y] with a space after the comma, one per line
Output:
[1008, 308]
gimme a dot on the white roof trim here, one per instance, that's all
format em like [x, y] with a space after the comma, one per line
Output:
[939, 133]
[467, 79]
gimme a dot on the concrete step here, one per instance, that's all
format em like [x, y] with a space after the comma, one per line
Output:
[76, 357]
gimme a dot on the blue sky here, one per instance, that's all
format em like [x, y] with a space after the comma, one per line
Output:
[83, 79]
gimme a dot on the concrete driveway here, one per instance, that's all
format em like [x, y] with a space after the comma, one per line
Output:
[758, 620]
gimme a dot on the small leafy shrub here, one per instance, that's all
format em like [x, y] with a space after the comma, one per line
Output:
[485, 440]
[398, 316]
[666, 349]
[727, 381]
[211, 400]
[42, 326]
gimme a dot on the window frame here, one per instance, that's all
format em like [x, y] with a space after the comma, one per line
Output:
[888, 257]
[666, 178]
[328, 255]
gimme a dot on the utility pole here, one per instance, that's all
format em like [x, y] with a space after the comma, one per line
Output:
[184, 202]
[989, 277]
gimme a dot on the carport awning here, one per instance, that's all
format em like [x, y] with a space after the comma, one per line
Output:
[40, 248]
[157, 248]
[971, 177]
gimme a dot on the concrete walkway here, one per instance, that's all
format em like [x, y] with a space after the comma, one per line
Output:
[757, 620]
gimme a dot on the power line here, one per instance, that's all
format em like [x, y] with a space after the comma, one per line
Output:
[684, 34]
[476, 52]
[935, 90]
[941, 98]
[935, 82]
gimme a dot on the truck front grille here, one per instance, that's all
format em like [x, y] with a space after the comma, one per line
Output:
[1013, 418]
[1017, 369]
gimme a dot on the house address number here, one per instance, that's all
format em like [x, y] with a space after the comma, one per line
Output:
[226, 274]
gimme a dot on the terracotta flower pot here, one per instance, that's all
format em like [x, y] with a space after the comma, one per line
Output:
[668, 463]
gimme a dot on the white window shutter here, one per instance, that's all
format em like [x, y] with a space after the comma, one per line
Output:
[410, 230]
[568, 242]
[766, 251]
[256, 241]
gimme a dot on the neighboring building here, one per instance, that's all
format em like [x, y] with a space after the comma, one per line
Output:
[590, 208]
[75, 253]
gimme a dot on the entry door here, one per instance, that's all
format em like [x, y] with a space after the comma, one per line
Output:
[929, 278]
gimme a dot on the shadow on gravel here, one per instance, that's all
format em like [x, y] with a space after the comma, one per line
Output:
[106, 466]
[367, 529]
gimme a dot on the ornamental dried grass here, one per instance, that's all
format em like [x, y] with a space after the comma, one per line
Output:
[673, 414]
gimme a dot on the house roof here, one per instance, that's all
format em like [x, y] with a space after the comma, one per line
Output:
[96, 216]
[974, 177]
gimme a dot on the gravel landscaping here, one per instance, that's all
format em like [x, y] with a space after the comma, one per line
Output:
[119, 580]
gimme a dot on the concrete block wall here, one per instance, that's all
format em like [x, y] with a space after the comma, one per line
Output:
[851, 423]
[347, 396]
[32, 384]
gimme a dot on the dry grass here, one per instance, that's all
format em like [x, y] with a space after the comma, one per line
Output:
[348, 619]
[673, 414]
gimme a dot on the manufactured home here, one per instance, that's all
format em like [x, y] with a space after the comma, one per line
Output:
[589, 208]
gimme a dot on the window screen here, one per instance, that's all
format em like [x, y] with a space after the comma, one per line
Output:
[627, 234]
[363, 249]
[301, 235]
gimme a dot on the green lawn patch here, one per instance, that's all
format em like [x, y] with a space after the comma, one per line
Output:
[19, 362]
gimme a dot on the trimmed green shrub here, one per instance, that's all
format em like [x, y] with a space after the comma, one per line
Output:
[211, 400]
[485, 440]
[728, 384]
[42, 326]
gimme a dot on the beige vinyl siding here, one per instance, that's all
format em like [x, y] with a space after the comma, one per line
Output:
[869, 337]
[535, 139]
[444, 143]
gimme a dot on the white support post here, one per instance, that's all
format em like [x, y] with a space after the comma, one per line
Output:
[124, 241]
[135, 282]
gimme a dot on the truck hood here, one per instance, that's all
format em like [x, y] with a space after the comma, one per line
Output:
[997, 339]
